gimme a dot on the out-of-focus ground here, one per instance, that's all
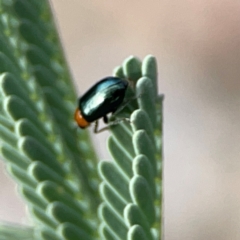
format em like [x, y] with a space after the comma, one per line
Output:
[197, 45]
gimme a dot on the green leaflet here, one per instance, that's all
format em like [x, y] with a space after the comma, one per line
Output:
[141, 196]
[71, 232]
[13, 231]
[116, 224]
[53, 192]
[149, 70]
[114, 179]
[143, 145]
[146, 101]
[32, 197]
[63, 213]
[134, 216]
[142, 167]
[122, 158]
[14, 157]
[132, 68]
[105, 232]
[136, 232]
[116, 203]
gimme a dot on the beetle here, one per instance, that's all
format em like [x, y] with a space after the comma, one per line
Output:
[102, 98]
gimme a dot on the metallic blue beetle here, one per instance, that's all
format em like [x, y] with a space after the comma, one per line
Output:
[102, 98]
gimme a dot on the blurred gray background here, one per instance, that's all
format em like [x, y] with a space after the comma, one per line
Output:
[197, 45]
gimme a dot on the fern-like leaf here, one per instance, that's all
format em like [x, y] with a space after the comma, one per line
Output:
[49, 160]
[131, 186]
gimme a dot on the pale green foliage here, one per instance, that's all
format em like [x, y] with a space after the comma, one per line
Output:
[14, 231]
[131, 186]
[53, 164]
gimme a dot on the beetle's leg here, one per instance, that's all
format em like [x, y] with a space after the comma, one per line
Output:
[105, 119]
[96, 127]
[96, 130]
[116, 122]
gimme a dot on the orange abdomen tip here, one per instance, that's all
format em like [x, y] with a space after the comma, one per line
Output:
[82, 123]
